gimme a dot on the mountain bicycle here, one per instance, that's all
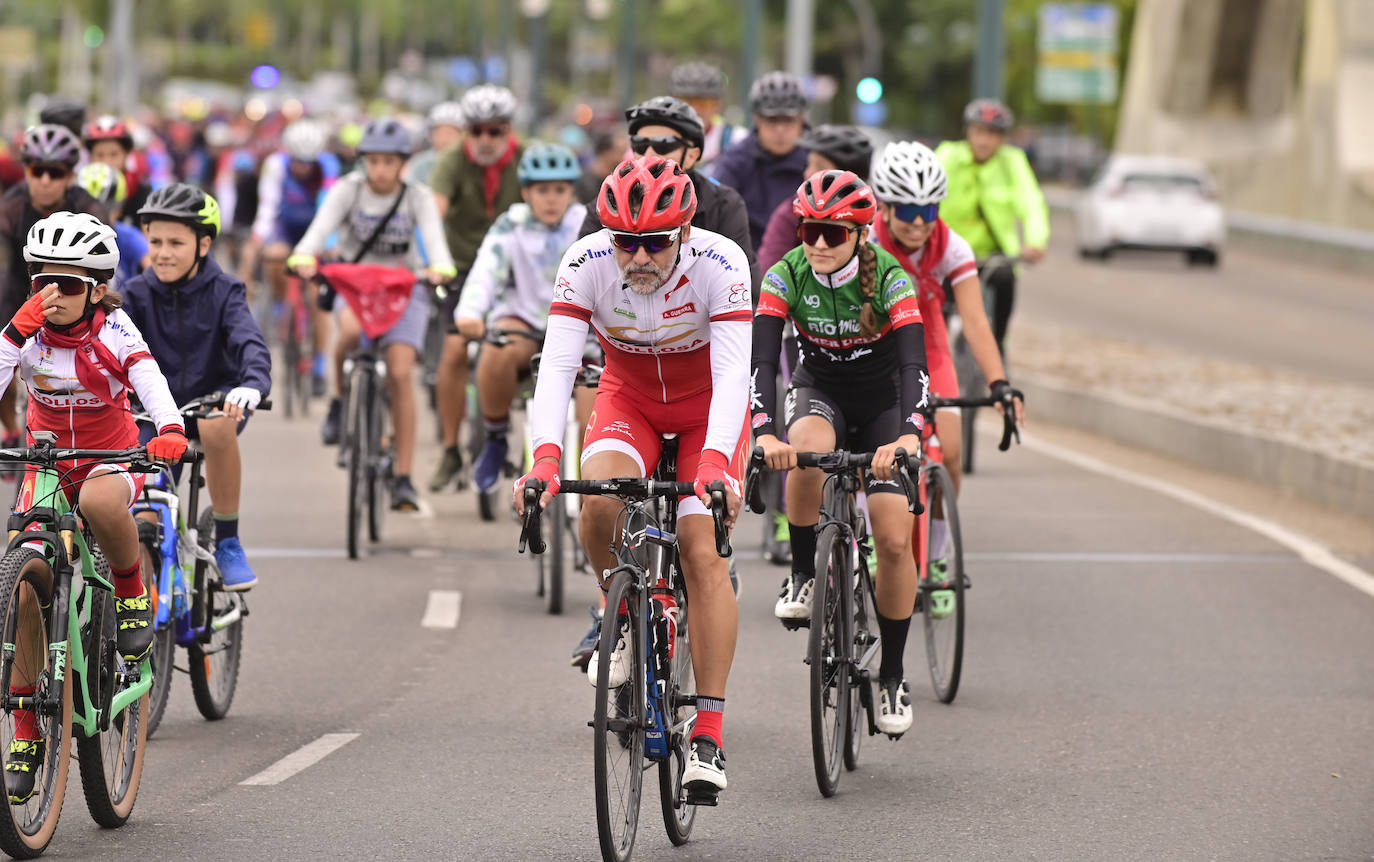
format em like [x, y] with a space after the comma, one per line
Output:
[844, 635]
[179, 569]
[653, 714]
[940, 599]
[60, 661]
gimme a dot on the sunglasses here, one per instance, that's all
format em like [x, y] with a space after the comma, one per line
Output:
[835, 235]
[908, 212]
[52, 172]
[653, 243]
[661, 145]
[67, 285]
[499, 130]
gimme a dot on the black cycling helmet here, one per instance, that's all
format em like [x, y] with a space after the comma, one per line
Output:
[386, 136]
[50, 143]
[778, 94]
[64, 112]
[673, 113]
[185, 203]
[698, 81]
[990, 113]
[846, 146]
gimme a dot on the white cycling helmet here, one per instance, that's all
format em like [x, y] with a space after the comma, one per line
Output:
[488, 103]
[907, 172]
[447, 114]
[75, 239]
[305, 140]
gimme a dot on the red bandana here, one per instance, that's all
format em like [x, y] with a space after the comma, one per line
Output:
[91, 357]
[491, 174]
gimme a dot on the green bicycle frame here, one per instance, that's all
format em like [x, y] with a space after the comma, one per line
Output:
[61, 538]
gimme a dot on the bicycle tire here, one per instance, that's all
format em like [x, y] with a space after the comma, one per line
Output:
[28, 827]
[865, 617]
[215, 667]
[376, 460]
[678, 820]
[557, 565]
[354, 461]
[619, 724]
[945, 636]
[291, 353]
[827, 653]
[111, 762]
[967, 417]
[163, 655]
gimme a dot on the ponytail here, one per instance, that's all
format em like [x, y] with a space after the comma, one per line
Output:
[868, 274]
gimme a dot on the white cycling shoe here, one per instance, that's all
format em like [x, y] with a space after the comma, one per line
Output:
[794, 599]
[620, 662]
[894, 708]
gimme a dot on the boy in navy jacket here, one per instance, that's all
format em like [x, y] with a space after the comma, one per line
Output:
[197, 323]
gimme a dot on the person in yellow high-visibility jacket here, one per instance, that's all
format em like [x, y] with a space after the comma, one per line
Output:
[994, 201]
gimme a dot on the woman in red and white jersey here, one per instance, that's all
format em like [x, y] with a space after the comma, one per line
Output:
[910, 183]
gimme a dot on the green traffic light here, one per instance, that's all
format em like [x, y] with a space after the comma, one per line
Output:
[869, 91]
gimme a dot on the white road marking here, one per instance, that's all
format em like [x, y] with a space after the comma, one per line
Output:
[441, 611]
[1117, 557]
[1312, 552]
[300, 759]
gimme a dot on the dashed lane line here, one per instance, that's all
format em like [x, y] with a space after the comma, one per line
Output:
[300, 759]
[442, 609]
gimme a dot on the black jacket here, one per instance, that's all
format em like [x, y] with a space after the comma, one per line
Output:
[201, 332]
[17, 215]
[720, 209]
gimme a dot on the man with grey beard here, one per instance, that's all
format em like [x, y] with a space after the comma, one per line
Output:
[670, 305]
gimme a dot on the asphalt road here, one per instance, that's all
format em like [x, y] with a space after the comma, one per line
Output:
[1142, 681]
[1257, 308]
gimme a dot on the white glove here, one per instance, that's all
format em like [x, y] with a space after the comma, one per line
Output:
[245, 397]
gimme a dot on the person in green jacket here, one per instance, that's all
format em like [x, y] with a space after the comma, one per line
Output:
[474, 181]
[994, 201]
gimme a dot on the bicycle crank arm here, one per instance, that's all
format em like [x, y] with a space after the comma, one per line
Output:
[224, 621]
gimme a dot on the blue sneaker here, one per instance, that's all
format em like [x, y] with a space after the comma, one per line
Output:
[486, 472]
[234, 572]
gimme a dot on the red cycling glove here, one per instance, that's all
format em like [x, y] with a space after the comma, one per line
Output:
[545, 469]
[712, 468]
[168, 446]
[29, 318]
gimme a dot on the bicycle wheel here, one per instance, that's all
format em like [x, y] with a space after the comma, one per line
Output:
[215, 665]
[865, 640]
[111, 761]
[967, 417]
[619, 723]
[828, 655]
[291, 354]
[378, 463]
[163, 656]
[944, 625]
[355, 460]
[556, 564]
[26, 586]
[678, 818]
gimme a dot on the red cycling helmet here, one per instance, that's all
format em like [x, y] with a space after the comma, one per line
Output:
[835, 196]
[107, 128]
[646, 195]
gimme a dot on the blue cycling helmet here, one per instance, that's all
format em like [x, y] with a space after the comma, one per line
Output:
[548, 162]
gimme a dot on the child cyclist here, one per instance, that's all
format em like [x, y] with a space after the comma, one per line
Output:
[860, 384]
[910, 182]
[377, 215]
[80, 355]
[108, 186]
[511, 283]
[196, 319]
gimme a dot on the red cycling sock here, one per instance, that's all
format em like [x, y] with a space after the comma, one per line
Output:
[128, 583]
[711, 719]
[25, 725]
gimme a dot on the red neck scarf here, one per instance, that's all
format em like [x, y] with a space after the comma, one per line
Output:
[491, 174]
[91, 357]
[922, 262]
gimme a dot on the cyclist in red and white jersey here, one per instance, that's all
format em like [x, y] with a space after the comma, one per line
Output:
[670, 304]
[910, 183]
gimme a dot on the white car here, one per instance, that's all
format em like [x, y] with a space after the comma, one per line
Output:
[1153, 203]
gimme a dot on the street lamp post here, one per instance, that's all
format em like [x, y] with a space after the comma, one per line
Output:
[990, 61]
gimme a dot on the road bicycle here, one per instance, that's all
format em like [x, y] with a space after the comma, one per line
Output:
[652, 715]
[491, 501]
[966, 369]
[60, 661]
[940, 600]
[843, 639]
[190, 608]
[297, 348]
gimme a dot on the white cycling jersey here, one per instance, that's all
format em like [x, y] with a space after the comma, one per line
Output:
[692, 335]
[515, 269]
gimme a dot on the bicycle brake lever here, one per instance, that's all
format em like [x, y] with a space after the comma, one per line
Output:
[753, 484]
[530, 533]
[909, 487]
[718, 504]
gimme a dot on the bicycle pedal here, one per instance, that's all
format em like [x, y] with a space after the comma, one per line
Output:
[705, 798]
[793, 625]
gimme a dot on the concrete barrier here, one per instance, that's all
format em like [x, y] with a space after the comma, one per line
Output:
[1313, 475]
